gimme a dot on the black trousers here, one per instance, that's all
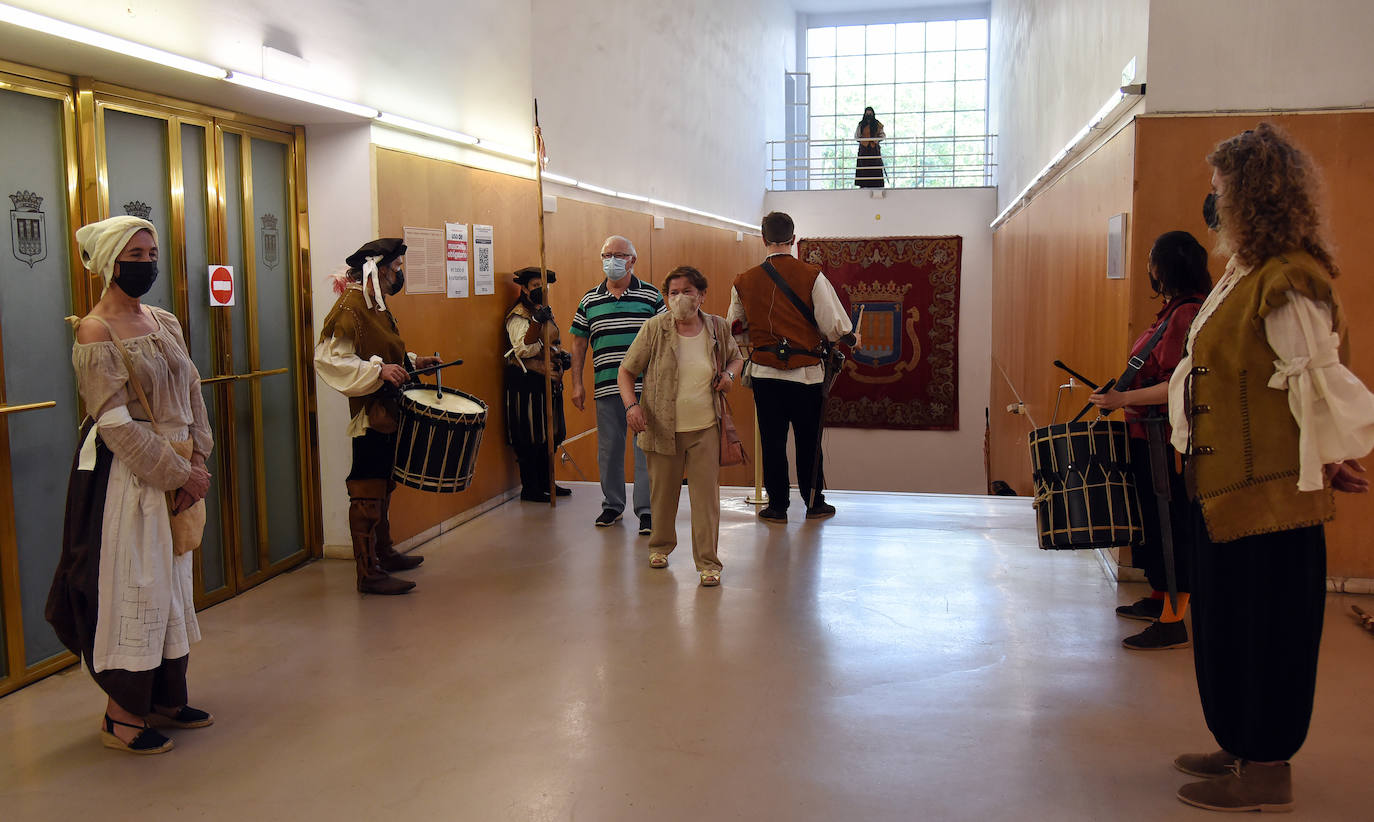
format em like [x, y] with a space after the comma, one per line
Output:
[781, 404]
[1149, 556]
[374, 456]
[1257, 627]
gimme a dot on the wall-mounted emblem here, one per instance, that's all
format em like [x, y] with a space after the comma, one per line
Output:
[271, 242]
[27, 223]
[138, 208]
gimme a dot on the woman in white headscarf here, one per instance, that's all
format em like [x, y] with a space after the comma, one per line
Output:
[121, 598]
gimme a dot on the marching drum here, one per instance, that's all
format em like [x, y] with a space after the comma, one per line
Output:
[437, 439]
[1084, 494]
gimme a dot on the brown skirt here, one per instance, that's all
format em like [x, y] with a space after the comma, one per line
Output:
[72, 600]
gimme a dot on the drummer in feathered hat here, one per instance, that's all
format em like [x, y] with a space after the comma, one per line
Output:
[362, 356]
[526, 428]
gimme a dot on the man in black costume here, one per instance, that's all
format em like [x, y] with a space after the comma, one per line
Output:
[527, 323]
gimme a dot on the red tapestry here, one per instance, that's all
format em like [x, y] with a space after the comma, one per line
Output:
[905, 372]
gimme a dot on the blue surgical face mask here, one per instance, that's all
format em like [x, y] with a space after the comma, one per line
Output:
[615, 268]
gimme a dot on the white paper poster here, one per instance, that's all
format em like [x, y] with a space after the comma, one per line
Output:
[424, 260]
[456, 258]
[484, 275]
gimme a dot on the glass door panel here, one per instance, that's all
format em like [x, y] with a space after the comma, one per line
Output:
[137, 170]
[36, 446]
[199, 329]
[274, 299]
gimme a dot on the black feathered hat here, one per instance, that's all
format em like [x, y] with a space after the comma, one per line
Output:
[528, 273]
[388, 248]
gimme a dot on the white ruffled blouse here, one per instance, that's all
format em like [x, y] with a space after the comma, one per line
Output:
[1333, 409]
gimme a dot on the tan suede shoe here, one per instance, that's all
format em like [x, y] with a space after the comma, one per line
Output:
[1248, 787]
[1207, 766]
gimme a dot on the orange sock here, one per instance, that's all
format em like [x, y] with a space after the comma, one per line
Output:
[1170, 615]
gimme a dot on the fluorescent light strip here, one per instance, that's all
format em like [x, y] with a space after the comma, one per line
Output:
[85, 36]
[304, 95]
[516, 153]
[1099, 120]
[586, 186]
[559, 178]
[418, 127]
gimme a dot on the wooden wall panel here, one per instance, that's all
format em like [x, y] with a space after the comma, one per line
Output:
[718, 255]
[1052, 300]
[1173, 177]
[423, 192]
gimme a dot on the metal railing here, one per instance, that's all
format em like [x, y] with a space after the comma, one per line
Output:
[801, 164]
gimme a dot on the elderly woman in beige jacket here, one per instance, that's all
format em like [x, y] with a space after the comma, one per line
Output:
[687, 357]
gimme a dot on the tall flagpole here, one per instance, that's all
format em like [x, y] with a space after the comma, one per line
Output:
[547, 331]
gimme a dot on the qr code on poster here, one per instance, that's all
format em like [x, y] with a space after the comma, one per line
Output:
[484, 258]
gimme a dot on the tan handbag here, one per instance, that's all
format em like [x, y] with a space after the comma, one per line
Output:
[188, 526]
[731, 447]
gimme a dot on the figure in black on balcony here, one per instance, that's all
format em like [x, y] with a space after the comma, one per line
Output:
[868, 172]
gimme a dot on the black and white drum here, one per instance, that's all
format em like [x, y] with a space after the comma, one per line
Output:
[437, 439]
[1084, 494]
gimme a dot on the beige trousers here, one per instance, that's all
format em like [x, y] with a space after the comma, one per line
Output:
[698, 458]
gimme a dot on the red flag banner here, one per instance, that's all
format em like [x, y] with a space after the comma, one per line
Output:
[905, 372]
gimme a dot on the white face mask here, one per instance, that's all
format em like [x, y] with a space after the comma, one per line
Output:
[682, 306]
[616, 269]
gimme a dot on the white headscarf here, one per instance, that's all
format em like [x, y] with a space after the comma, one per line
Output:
[370, 273]
[101, 243]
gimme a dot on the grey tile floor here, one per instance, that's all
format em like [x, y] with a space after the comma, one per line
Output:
[914, 658]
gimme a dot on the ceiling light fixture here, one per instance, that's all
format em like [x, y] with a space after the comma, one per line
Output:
[407, 124]
[304, 95]
[85, 36]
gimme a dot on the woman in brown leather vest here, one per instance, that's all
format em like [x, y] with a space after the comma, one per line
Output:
[1271, 421]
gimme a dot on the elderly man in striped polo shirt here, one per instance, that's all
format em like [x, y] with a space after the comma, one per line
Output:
[609, 316]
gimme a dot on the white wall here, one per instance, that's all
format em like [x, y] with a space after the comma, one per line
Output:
[920, 461]
[1259, 54]
[340, 187]
[463, 64]
[667, 100]
[1053, 64]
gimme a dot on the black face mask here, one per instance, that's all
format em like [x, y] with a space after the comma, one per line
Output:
[537, 296]
[1209, 212]
[398, 281]
[136, 277]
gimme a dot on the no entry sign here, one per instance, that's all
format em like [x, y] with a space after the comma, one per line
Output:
[221, 285]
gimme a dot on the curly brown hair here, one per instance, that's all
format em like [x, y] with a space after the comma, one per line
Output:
[1269, 205]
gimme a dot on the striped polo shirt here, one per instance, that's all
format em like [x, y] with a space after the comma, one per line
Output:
[611, 323]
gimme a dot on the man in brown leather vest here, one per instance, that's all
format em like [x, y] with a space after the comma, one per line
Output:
[784, 367]
[361, 355]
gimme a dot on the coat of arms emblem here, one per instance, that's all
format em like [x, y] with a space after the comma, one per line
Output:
[139, 209]
[271, 242]
[27, 223]
[876, 309]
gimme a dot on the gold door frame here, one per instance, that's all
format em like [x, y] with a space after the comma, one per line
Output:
[18, 672]
[84, 104]
[301, 333]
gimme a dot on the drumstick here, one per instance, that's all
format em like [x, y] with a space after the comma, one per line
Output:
[1104, 390]
[1060, 365]
[417, 372]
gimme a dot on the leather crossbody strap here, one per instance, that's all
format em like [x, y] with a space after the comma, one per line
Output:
[806, 312]
[128, 366]
[1127, 379]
